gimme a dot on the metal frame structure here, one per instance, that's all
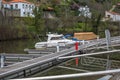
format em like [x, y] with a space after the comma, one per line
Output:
[99, 62]
[78, 74]
[72, 75]
[90, 54]
[57, 56]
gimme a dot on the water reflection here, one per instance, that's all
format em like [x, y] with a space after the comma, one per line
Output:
[16, 46]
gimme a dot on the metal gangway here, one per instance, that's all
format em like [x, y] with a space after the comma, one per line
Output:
[86, 61]
[30, 66]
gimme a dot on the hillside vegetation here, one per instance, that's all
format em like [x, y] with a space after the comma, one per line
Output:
[66, 19]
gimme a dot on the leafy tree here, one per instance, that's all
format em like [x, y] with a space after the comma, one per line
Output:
[95, 23]
[38, 20]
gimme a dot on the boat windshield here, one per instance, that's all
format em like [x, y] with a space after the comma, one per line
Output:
[57, 38]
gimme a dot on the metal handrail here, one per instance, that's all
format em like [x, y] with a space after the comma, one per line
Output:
[74, 56]
[72, 75]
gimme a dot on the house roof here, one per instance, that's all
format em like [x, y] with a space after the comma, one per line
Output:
[50, 8]
[118, 4]
[16, 1]
[114, 13]
[3, 1]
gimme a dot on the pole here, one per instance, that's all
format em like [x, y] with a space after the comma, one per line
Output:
[58, 48]
[2, 61]
[108, 41]
[97, 41]
[83, 42]
[76, 46]
[76, 59]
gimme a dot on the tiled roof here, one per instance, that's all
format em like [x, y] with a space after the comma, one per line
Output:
[114, 13]
[3, 1]
[16, 1]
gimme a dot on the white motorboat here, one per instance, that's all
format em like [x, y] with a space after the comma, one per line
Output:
[54, 40]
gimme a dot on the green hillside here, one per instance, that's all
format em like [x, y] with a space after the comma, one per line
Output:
[65, 19]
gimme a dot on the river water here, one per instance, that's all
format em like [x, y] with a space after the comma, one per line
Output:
[18, 46]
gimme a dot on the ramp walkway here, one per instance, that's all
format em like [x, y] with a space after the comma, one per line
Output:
[29, 67]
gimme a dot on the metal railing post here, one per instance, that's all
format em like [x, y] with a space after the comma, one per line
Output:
[2, 61]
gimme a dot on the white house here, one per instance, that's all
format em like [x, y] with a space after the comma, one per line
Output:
[85, 11]
[113, 16]
[25, 7]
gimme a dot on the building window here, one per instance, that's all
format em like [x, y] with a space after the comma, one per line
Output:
[108, 16]
[16, 5]
[26, 6]
[11, 6]
[23, 6]
[29, 6]
[5, 5]
[24, 13]
[2, 6]
[28, 13]
[32, 7]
